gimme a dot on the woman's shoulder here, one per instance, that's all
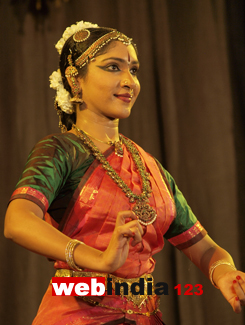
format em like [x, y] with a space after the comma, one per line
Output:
[63, 141]
[62, 147]
[60, 138]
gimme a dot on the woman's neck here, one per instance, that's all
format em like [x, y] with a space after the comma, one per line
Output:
[98, 127]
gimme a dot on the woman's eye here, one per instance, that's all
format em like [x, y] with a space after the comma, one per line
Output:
[134, 71]
[113, 67]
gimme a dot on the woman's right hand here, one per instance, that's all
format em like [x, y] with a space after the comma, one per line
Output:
[24, 225]
[117, 251]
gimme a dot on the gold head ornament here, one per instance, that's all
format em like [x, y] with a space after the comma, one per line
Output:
[98, 44]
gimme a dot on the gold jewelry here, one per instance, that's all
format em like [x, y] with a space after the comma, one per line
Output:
[71, 73]
[117, 144]
[99, 43]
[125, 311]
[62, 127]
[213, 267]
[125, 82]
[81, 36]
[69, 253]
[146, 214]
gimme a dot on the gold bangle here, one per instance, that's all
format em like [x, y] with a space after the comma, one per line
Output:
[213, 267]
[69, 254]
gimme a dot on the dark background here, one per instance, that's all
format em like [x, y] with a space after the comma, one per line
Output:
[190, 115]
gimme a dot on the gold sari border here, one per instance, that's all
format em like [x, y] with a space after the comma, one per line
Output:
[33, 195]
[189, 237]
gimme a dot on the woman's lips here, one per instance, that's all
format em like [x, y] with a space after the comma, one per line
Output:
[124, 97]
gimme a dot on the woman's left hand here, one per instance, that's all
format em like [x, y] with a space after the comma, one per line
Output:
[232, 286]
[230, 282]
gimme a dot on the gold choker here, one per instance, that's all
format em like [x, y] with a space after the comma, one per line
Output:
[116, 144]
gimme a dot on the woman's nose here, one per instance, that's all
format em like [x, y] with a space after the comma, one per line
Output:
[128, 81]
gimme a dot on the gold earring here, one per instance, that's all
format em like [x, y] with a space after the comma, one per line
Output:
[71, 73]
[62, 127]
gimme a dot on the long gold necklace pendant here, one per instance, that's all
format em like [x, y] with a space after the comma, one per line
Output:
[146, 214]
[118, 148]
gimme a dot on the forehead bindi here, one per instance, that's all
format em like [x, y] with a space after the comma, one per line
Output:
[132, 56]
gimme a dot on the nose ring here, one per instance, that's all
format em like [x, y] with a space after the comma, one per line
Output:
[131, 91]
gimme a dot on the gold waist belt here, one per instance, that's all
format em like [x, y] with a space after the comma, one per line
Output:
[138, 299]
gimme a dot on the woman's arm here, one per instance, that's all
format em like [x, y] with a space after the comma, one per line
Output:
[24, 225]
[206, 252]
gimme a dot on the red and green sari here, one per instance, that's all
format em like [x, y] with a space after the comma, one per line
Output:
[80, 199]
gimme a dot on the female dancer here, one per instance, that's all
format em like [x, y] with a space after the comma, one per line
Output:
[95, 202]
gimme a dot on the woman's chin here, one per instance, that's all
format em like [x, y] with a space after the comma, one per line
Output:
[125, 113]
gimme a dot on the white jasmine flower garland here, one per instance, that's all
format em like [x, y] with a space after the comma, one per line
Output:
[72, 30]
[62, 95]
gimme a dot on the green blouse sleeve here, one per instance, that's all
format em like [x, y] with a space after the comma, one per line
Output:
[185, 230]
[185, 218]
[54, 166]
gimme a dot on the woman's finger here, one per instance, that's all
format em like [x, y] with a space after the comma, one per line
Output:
[122, 218]
[135, 226]
[239, 288]
[137, 237]
[236, 305]
[123, 215]
[128, 230]
[135, 234]
[129, 233]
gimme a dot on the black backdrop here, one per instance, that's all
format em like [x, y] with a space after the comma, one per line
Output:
[190, 115]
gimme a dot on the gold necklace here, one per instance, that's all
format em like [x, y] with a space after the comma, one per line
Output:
[146, 214]
[116, 144]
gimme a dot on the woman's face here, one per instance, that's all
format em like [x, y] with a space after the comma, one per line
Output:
[111, 86]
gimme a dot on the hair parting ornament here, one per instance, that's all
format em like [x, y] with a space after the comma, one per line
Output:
[80, 34]
[97, 45]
